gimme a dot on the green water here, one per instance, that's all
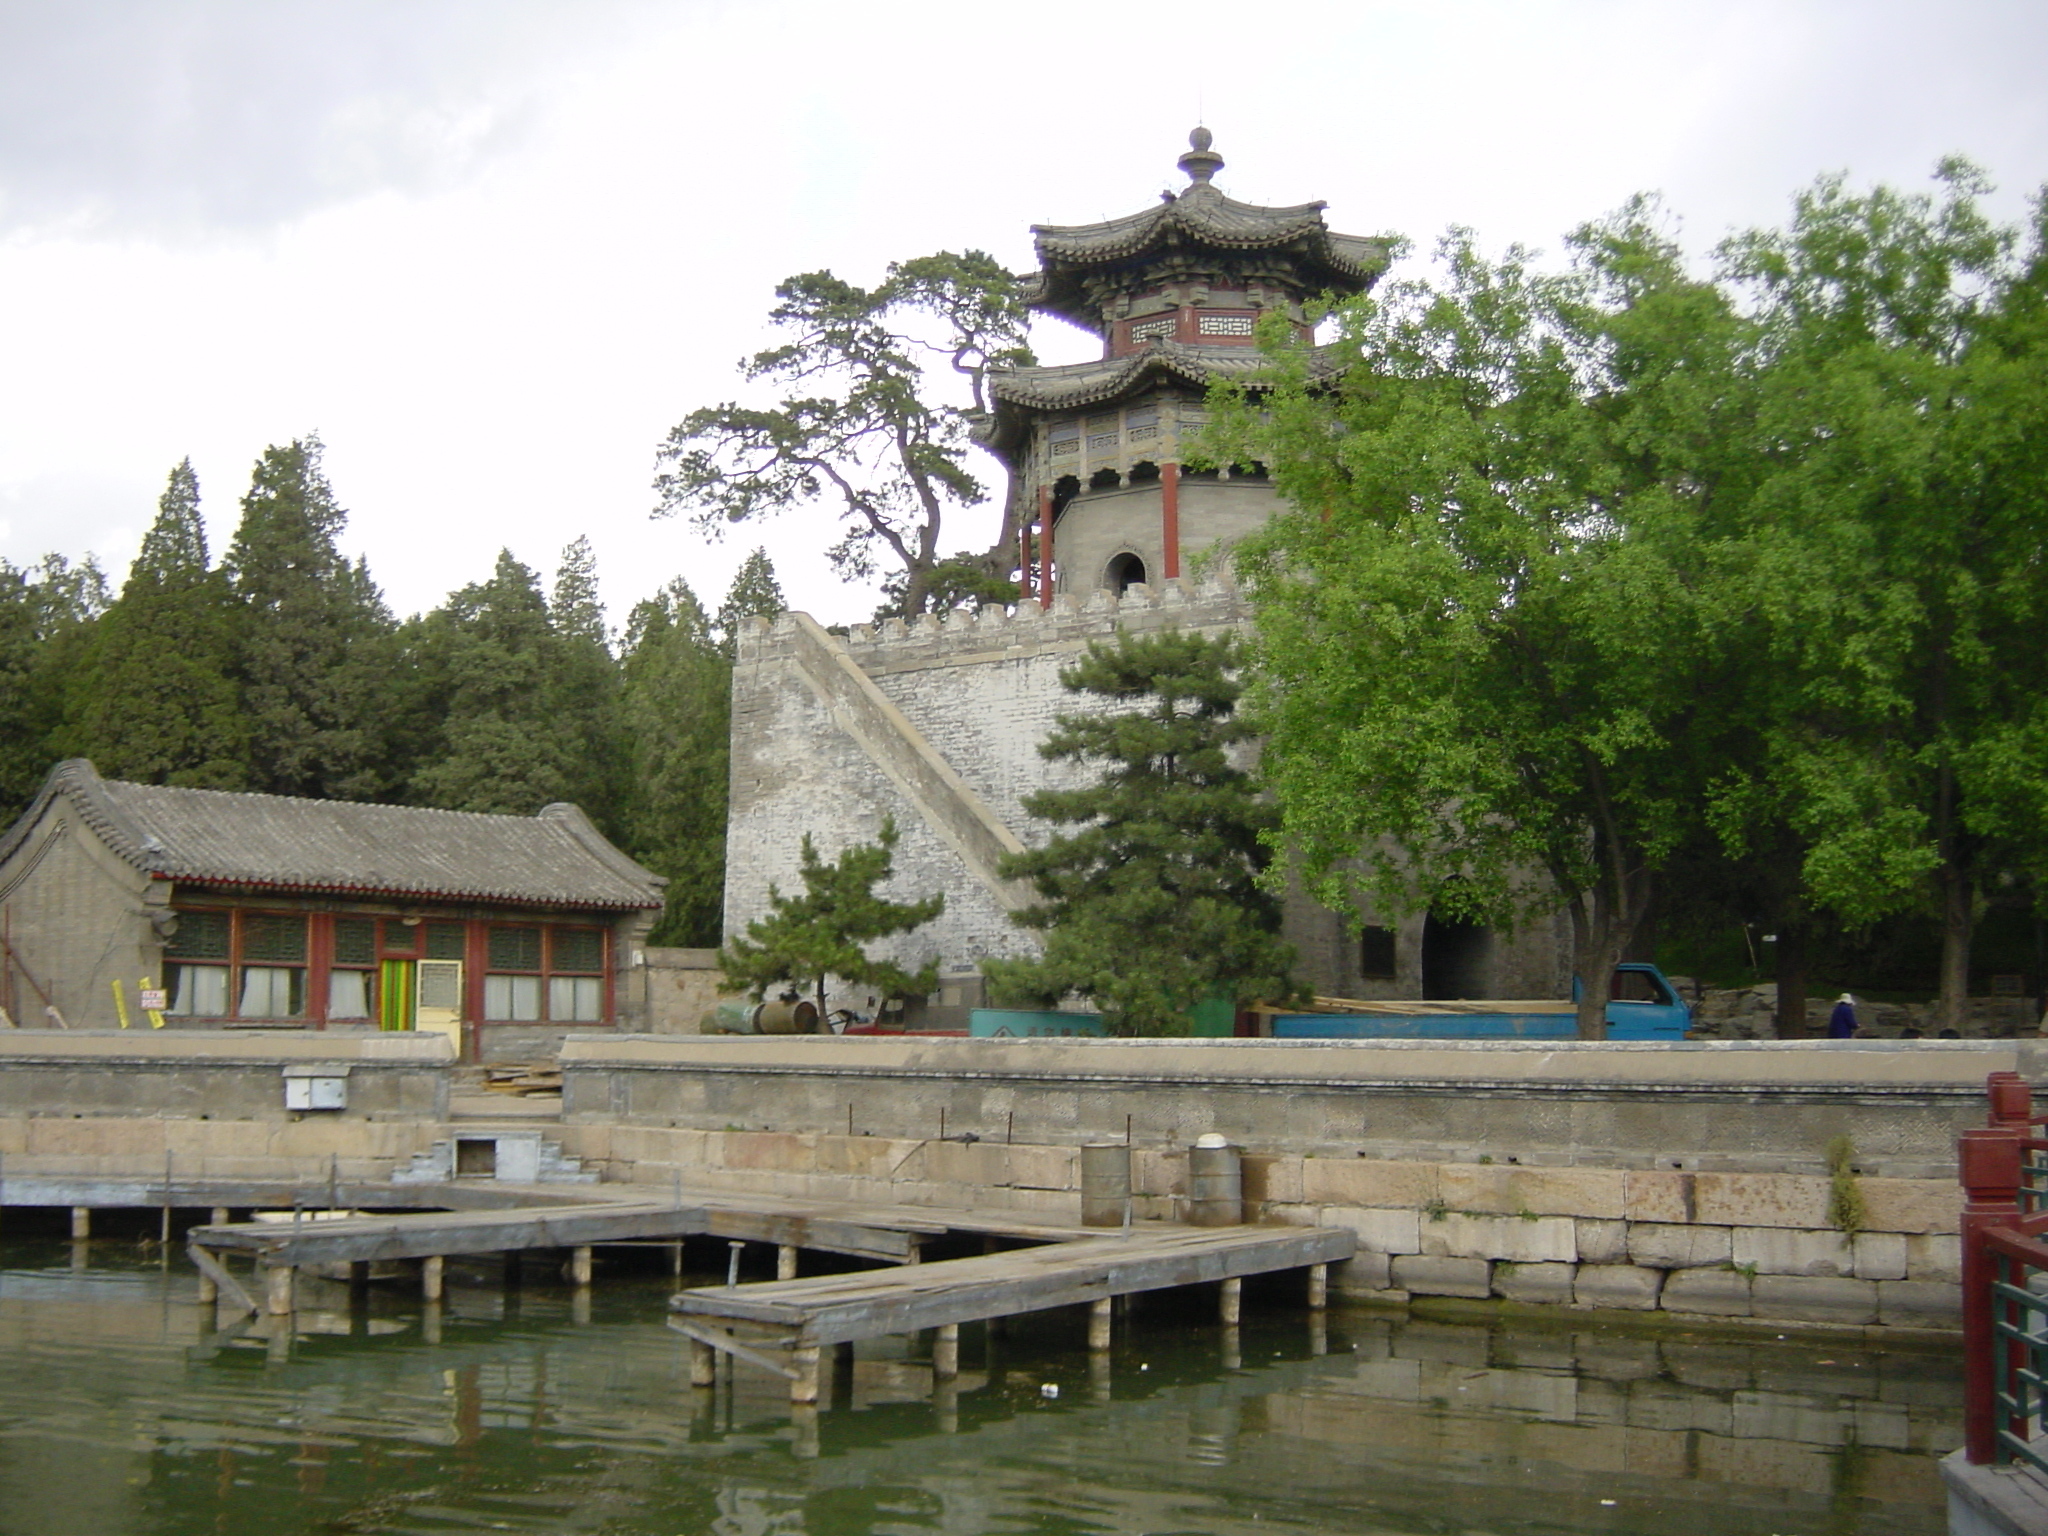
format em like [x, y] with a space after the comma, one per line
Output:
[119, 1418]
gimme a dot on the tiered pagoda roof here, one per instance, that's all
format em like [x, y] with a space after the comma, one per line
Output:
[1089, 274]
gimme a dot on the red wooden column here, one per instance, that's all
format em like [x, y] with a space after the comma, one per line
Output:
[1024, 582]
[1169, 521]
[1989, 1164]
[1045, 546]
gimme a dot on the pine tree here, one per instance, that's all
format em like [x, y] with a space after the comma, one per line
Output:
[314, 644]
[156, 700]
[583, 686]
[1154, 903]
[676, 704]
[824, 932]
[755, 594]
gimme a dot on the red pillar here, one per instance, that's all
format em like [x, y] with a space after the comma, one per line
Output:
[1989, 1164]
[1169, 520]
[2012, 1101]
[1045, 546]
[1024, 552]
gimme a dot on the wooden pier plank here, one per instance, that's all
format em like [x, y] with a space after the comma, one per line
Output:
[834, 1309]
[428, 1234]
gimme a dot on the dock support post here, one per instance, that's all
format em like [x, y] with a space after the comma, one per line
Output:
[278, 1289]
[81, 1222]
[803, 1418]
[430, 1323]
[703, 1364]
[1099, 1383]
[218, 1217]
[1231, 1302]
[946, 1352]
[580, 1265]
[1099, 1315]
[1318, 1287]
[358, 1284]
[803, 1386]
[209, 1293]
[433, 1277]
[511, 1269]
[785, 1261]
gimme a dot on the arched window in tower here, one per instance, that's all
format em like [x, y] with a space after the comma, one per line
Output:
[1125, 571]
[1104, 480]
[1064, 490]
[1143, 472]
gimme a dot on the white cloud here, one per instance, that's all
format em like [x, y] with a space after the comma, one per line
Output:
[492, 251]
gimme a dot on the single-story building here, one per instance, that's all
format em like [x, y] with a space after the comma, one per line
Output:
[138, 906]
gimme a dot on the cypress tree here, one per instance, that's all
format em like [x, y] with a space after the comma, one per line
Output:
[755, 593]
[49, 617]
[314, 645]
[676, 707]
[156, 700]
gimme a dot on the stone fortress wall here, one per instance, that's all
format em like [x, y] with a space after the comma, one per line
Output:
[937, 723]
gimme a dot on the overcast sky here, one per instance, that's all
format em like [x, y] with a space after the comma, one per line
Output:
[491, 250]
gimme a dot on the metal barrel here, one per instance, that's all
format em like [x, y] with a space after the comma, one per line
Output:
[780, 1018]
[1215, 1186]
[1105, 1184]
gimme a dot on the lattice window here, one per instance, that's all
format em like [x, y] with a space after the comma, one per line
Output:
[1226, 325]
[578, 949]
[1102, 441]
[1071, 445]
[200, 936]
[445, 941]
[355, 940]
[515, 949]
[273, 936]
[1153, 330]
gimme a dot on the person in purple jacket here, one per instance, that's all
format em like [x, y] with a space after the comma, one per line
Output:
[1842, 1022]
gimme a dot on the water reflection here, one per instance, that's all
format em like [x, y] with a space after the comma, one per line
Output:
[536, 1412]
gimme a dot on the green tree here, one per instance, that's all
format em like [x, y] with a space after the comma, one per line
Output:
[754, 594]
[48, 618]
[1490, 623]
[1154, 902]
[157, 700]
[516, 726]
[314, 644]
[676, 695]
[575, 611]
[859, 428]
[1901, 364]
[825, 931]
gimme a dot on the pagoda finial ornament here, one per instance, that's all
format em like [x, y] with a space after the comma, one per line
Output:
[1201, 162]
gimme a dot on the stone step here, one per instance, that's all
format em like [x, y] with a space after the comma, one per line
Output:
[504, 1107]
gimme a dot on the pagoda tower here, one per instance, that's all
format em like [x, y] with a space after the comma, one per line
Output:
[1175, 293]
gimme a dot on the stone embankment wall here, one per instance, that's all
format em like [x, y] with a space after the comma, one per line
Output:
[117, 1103]
[1691, 1179]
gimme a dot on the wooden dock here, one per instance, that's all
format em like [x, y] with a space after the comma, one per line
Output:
[783, 1325]
[890, 1235]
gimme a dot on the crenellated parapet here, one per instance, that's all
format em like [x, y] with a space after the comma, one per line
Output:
[963, 636]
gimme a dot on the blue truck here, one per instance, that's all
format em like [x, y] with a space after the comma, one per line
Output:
[1643, 1005]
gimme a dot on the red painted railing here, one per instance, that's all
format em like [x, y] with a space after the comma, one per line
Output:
[2004, 1170]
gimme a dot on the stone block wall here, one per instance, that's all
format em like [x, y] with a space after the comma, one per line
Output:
[117, 1104]
[977, 693]
[1688, 1179]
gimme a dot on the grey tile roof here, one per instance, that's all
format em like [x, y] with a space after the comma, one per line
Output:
[1074, 385]
[212, 837]
[1199, 218]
